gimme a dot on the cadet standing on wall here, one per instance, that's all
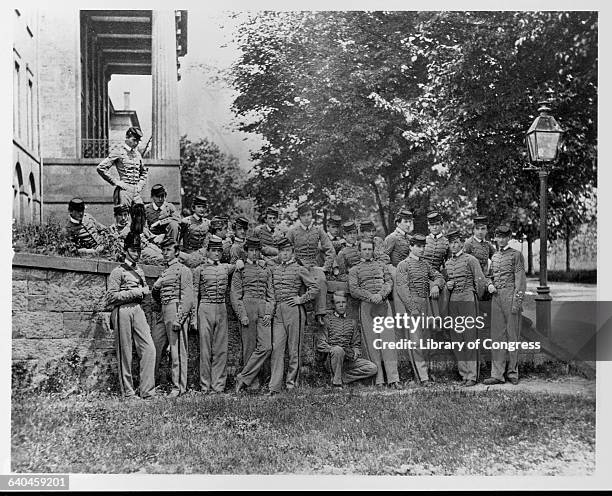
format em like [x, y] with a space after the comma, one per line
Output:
[507, 285]
[131, 170]
[253, 302]
[174, 291]
[126, 289]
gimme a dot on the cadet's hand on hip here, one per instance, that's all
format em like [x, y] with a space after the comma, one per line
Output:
[244, 321]
[266, 320]
[176, 327]
[294, 301]
[120, 184]
[357, 353]
[492, 289]
[435, 292]
[450, 285]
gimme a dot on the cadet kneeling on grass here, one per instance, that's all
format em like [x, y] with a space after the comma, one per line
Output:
[340, 339]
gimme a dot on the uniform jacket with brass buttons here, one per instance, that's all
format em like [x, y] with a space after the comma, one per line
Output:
[306, 242]
[368, 278]
[397, 246]
[465, 272]
[210, 281]
[254, 281]
[436, 250]
[415, 279]
[287, 280]
[508, 272]
[175, 286]
[86, 234]
[482, 250]
[129, 166]
[339, 330]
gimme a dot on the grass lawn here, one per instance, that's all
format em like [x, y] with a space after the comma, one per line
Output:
[438, 431]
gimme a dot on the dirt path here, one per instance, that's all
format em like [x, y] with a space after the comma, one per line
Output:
[574, 386]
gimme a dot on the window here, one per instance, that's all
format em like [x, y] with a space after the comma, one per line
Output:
[16, 108]
[30, 114]
[17, 196]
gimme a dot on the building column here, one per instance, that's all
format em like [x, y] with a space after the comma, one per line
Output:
[165, 142]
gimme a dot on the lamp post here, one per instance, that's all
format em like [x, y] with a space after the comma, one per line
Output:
[543, 141]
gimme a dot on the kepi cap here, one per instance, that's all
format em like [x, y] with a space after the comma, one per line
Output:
[434, 217]
[134, 131]
[283, 243]
[349, 226]
[403, 213]
[158, 189]
[480, 220]
[418, 239]
[504, 230]
[454, 234]
[335, 220]
[253, 243]
[215, 243]
[200, 200]
[242, 222]
[77, 204]
[303, 208]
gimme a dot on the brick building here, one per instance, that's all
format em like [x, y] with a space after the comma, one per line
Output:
[78, 52]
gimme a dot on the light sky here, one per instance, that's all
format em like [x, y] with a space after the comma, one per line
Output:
[204, 100]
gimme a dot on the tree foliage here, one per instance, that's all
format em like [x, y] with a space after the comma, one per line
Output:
[420, 109]
[207, 171]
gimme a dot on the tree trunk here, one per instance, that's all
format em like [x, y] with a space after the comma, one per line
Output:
[381, 208]
[529, 257]
[325, 220]
[568, 234]
[392, 194]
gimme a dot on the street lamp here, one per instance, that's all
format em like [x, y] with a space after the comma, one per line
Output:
[543, 141]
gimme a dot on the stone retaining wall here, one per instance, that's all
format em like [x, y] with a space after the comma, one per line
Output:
[62, 338]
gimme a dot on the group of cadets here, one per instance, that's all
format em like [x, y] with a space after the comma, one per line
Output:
[270, 275]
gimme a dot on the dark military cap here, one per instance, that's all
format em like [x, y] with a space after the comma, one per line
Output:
[403, 213]
[132, 241]
[272, 211]
[77, 204]
[200, 200]
[454, 234]
[418, 239]
[223, 217]
[303, 208]
[242, 222]
[218, 222]
[283, 243]
[119, 209]
[158, 189]
[335, 220]
[349, 226]
[253, 243]
[503, 230]
[215, 243]
[480, 220]
[367, 224]
[134, 131]
[168, 242]
[434, 217]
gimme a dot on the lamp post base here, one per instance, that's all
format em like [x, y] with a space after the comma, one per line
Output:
[543, 318]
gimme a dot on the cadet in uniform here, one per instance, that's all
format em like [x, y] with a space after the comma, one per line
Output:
[268, 234]
[306, 238]
[151, 253]
[436, 252]
[210, 283]
[397, 247]
[241, 227]
[368, 232]
[349, 255]
[131, 170]
[174, 291]
[340, 340]
[83, 230]
[478, 246]
[126, 289]
[465, 283]
[370, 282]
[417, 282]
[507, 285]
[288, 277]
[253, 302]
[162, 216]
[335, 221]
[194, 228]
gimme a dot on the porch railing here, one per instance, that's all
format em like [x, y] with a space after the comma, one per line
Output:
[100, 148]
